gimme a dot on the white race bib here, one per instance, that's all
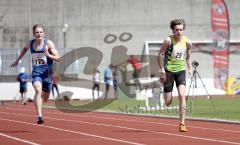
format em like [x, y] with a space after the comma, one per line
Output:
[178, 53]
[39, 59]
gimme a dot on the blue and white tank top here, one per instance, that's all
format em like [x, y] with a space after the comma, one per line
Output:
[40, 62]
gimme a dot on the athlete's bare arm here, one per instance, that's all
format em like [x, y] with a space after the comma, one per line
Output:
[188, 57]
[22, 53]
[51, 51]
[165, 46]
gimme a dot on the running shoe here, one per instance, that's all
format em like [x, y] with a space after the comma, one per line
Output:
[40, 120]
[182, 128]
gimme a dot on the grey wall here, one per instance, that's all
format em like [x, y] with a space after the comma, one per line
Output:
[91, 20]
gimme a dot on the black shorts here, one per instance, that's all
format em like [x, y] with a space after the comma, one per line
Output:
[178, 77]
[107, 86]
[115, 83]
[23, 89]
[136, 74]
[96, 86]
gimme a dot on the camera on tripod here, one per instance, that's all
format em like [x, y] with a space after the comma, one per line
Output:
[195, 63]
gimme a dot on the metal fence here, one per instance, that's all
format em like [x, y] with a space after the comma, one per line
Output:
[9, 55]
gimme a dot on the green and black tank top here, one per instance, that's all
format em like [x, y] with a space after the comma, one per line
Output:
[175, 55]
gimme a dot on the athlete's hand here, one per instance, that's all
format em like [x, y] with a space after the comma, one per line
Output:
[163, 77]
[47, 52]
[14, 64]
[190, 73]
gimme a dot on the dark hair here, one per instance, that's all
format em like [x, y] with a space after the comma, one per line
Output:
[111, 66]
[152, 75]
[175, 22]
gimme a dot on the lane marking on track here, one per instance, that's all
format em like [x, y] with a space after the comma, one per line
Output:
[166, 124]
[135, 129]
[18, 139]
[138, 121]
[75, 132]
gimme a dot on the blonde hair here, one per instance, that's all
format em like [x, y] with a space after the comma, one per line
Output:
[38, 26]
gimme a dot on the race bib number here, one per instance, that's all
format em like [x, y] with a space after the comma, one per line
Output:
[178, 53]
[39, 59]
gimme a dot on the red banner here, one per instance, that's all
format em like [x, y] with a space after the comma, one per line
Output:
[220, 30]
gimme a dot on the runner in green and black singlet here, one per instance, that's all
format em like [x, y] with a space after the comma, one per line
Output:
[175, 49]
[175, 55]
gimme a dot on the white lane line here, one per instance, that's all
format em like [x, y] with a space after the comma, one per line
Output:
[138, 121]
[75, 132]
[146, 122]
[136, 129]
[166, 124]
[145, 130]
[18, 139]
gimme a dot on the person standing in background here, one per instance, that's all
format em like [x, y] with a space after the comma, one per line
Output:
[115, 82]
[107, 79]
[96, 82]
[55, 80]
[23, 80]
[134, 61]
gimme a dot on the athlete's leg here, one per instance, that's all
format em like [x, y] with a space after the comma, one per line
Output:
[42, 89]
[168, 88]
[182, 103]
[45, 96]
[115, 91]
[21, 93]
[56, 86]
[93, 88]
[21, 97]
[37, 85]
[46, 89]
[107, 90]
[98, 90]
[168, 98]
[24, 101]
[53, 91]
[181, 86]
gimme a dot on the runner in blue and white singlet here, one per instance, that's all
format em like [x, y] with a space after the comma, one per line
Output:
[42, 66]
[43, 54]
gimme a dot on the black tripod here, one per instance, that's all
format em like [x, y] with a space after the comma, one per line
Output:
[193, 85]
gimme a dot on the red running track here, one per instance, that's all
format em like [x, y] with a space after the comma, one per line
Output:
[18, 126]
